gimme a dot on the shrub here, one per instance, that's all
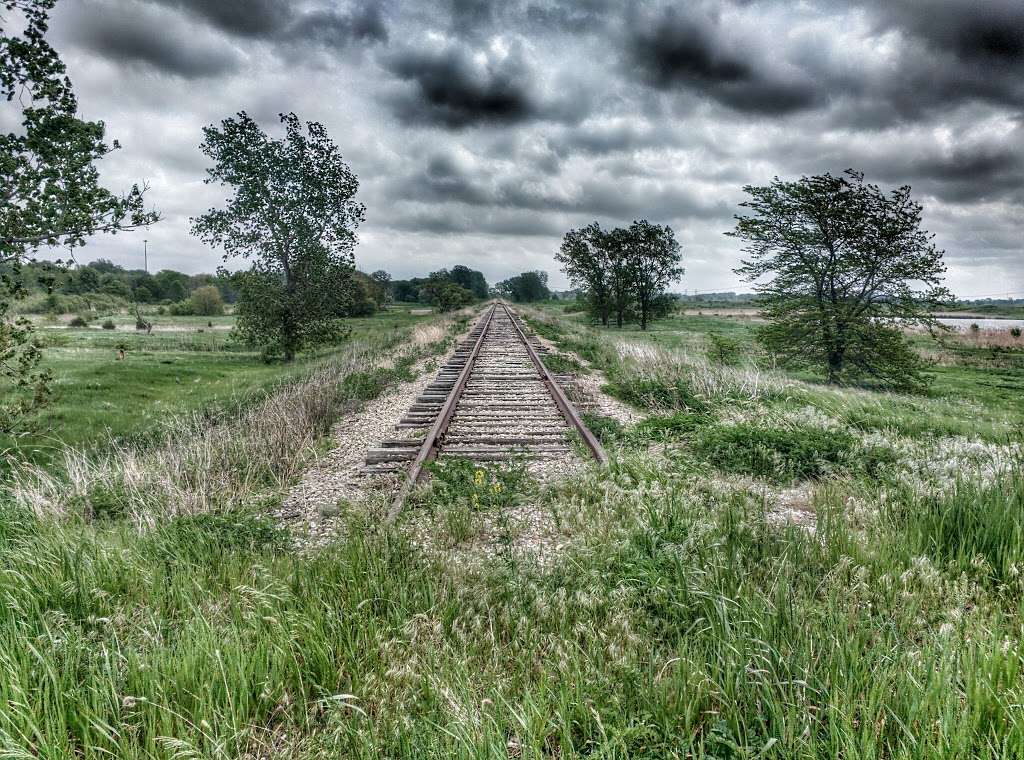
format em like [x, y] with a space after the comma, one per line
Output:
[974, 327]
[109, 325]
[783, 455]
[675, 427]
[78, 321]
[656, 392]
[723, 349]
[206, 302]
[1015, 332]
[605, 428]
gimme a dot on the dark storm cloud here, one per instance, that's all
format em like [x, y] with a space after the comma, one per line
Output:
[153, 42]
[691, 49]
[451, 87]
[277, 21]
[990, 31]
[514, 121]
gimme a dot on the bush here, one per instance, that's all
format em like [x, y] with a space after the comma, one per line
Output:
[206, 302]
[604, 428]
[109, 325]
[656, 392]
[676, 427]
[783, 455]
[1015, 332]
[722, 349]
[78, 321]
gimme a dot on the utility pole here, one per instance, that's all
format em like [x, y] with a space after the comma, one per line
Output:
[145, 255]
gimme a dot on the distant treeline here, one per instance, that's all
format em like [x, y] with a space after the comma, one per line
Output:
[101, 284]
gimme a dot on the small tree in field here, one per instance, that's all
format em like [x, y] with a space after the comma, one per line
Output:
[652, 257]
[207, 302]
[294, 218]
[848, 268]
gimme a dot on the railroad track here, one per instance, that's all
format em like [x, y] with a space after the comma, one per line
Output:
[494, 400]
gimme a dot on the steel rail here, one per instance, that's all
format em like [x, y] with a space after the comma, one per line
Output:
[428, 449]
[565, 406]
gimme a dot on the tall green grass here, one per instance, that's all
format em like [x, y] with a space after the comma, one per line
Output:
[693, 628]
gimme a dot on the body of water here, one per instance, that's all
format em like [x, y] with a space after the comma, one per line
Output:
[964, 323]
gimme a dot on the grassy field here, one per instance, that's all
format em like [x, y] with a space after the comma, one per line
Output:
[770, 568]
[184, 365]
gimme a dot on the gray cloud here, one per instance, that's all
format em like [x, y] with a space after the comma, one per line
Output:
[135, 37]
[691, 48]
[482, 130]
[453, 87]
[276, 21]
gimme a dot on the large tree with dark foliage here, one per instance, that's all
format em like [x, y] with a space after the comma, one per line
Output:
[584, 259]
[624, 272]
[527, 287]
[652, 258]
[50, 192]
[842, 268]
[293, 216]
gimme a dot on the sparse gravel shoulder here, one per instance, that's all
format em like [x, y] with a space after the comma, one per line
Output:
[317, 507]
[588, 387]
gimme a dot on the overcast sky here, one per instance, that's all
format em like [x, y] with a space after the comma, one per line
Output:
[481, 131]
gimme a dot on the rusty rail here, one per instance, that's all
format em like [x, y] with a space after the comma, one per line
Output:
[432, 443]
[428, 449]
[565, 406]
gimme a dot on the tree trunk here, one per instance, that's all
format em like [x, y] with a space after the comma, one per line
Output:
[835, 367]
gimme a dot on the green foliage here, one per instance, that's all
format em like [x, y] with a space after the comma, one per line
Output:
[50, 193]
[528, 287]
[785, 454]
[1015, 332]
[461, 483]
[655, 392]
[198, 539]
[78, 321]
[605, 428]
[723, 349]
[625, 272]
[444, 295]
[562, 364]
[670, 428]
[301, 254]
[849, 268]
[366, 385]
[207, 302]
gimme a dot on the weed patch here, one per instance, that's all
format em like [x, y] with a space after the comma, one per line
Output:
[782, 455]
[675, 427]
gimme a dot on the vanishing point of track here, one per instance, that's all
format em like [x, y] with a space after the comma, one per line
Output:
[493, 400]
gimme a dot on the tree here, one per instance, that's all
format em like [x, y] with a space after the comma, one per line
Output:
[469, 279]
[526, 287]
[49, 187]
[293, 216]
[383, 282]
[849, 268]
[652, 259]
[171, 285]
[584, 259]
[206, 301]
[444, 295]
